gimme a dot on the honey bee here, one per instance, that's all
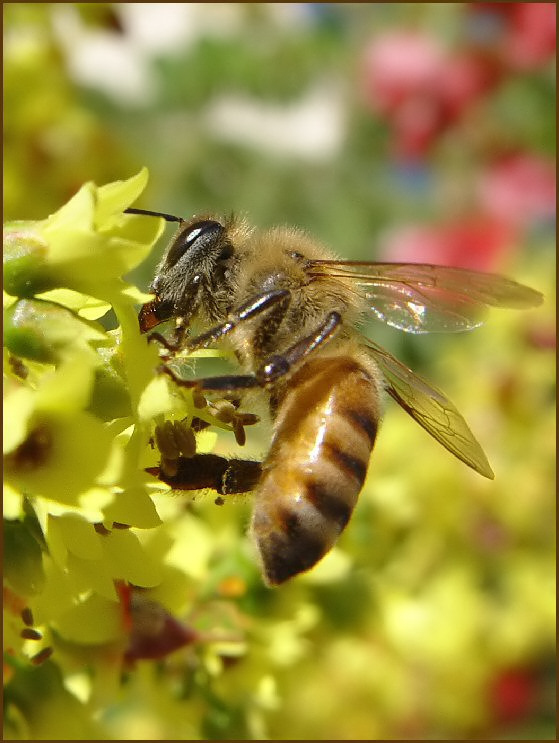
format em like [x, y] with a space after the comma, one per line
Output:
[290, 311]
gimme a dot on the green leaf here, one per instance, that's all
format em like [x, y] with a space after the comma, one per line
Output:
[23, 567]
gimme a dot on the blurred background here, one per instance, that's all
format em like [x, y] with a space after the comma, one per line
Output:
[390, 131]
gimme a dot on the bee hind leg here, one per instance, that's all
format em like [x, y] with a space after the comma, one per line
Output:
[209, 471]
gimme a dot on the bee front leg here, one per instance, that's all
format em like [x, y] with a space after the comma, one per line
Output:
[265, 302]
[176, 342]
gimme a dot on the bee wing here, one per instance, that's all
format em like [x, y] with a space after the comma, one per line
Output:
[431, 409]
[421, 298]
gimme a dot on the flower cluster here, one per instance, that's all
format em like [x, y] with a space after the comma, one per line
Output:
[89, 582]
[78, 409]
[422, 89]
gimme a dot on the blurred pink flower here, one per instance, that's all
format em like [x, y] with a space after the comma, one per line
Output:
[400, 74]
[420, 88]
[519, 189]
[522, 34]
[399, 65]
[478, 243]
[423, 88]
[463, 79]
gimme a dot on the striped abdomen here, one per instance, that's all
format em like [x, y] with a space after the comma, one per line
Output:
[323, 436]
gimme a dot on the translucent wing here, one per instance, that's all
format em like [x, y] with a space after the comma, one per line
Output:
[431, 409]
[421, 298]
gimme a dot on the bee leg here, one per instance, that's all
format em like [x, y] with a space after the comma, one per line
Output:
[273, 368]
[177, 340]
[278, 365]
[277, 300]
[213, 384]
[225, 476]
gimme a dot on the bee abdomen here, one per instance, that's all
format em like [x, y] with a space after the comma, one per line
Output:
[324, 434]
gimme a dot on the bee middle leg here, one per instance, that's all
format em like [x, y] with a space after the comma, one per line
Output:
[273, 368]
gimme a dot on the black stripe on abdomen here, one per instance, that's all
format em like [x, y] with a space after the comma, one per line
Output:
[347, 463]
[328, 503]
[363, 422]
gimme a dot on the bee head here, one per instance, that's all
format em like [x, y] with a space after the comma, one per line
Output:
[190, 270]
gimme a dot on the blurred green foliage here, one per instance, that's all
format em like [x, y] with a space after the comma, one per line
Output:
[434, 617]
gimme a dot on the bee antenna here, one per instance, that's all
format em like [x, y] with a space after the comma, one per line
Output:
[146, 212]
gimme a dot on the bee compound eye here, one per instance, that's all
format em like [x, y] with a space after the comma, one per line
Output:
[199, 235]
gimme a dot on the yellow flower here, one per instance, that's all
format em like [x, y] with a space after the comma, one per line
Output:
[86, 246]
[53, 448]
